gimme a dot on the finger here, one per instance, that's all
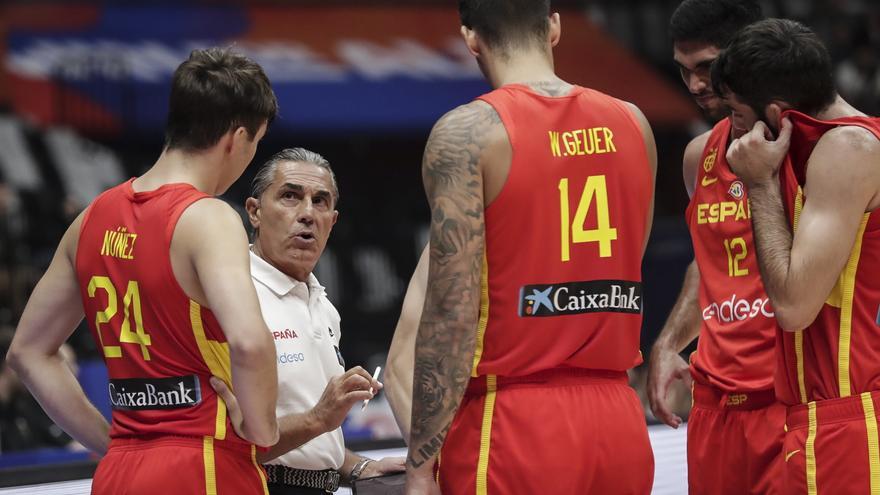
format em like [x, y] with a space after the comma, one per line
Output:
[356, 382]
[661, 411]
[356, 370]
[228, 397]
[760, 130]
[221, 389]
[785, 133]
[686, 377]
[732, 150]
[356, 396]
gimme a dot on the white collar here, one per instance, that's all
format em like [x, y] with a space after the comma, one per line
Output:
[276, 280]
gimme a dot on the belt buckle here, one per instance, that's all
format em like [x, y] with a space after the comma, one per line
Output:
[331, 482]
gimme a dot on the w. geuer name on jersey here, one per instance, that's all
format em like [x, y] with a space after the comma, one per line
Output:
[570, 298]
[155, 393]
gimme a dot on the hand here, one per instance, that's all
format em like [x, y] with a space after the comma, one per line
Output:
[420, 480]
[340, 394]
[754, 157]
[233, 411]
[386, 465]
[666, 367]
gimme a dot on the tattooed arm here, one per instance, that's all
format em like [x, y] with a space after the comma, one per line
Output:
[459, 147]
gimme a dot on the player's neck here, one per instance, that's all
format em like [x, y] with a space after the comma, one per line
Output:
[839, 109]
[174, 167]
[522, 68]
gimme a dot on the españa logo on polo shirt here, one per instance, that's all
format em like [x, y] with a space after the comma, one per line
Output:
[155, 393]
[571, 298]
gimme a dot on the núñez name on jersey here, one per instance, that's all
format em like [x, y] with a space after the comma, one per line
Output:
[155, 393]
[571, 298]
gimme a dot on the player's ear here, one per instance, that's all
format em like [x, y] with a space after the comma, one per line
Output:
[470, 40]
[252, 205]
[773, 111]
[555, 29]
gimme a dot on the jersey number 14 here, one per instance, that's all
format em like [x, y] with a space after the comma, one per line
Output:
[595, 191]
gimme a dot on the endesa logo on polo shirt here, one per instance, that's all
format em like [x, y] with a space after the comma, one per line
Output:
[572, 298]
[155, 393]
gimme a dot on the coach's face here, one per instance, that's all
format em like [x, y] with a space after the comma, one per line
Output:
[294, 217]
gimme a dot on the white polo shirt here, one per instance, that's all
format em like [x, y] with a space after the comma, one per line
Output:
[305, 326]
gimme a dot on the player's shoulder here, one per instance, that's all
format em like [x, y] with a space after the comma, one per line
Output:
[850, 139]
[475, 122]
[208, 215]
[695, 147]
[475, 114]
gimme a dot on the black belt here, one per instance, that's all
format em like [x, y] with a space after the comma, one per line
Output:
[327, 480]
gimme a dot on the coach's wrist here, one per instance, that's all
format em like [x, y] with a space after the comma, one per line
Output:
[358, 470]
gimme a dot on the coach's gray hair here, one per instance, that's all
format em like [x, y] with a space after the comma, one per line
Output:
[266, 173]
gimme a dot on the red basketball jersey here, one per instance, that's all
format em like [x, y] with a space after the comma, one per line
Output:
[160, 346]
[838, 355]
[735, 351]
[565, 237]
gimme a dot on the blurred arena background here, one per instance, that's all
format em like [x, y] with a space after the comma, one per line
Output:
[83, 90]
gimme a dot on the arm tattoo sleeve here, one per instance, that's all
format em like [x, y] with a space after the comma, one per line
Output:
[451, 171]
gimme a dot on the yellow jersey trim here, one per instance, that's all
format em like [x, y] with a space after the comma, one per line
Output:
[210, 470]
[484, 315]
[811, 449]
[873, 441]
[216, 356]
[847, 283]
[259, 470]
[799, 355]
[799, 335]
[486, 435]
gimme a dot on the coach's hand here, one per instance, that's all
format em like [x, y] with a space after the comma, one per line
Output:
[665, 367]
[385, 465]
[756, 156]
[341, 394]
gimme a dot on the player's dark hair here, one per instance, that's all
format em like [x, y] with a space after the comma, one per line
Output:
[507, 24]
[776, 59]
[712, 21]
[213, 92]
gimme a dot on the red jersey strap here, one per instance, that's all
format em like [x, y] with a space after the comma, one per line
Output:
[808, 131]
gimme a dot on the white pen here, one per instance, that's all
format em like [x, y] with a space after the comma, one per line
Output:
[375, 377]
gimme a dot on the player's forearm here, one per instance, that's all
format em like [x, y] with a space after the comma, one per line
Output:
[398, 390]
[684, 321]
[56, 389]
[295, 430]
[255, 381]
[773, 242]
[443, 360]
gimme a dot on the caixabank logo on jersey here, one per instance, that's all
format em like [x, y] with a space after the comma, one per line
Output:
[572, 298]
[155, 393]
